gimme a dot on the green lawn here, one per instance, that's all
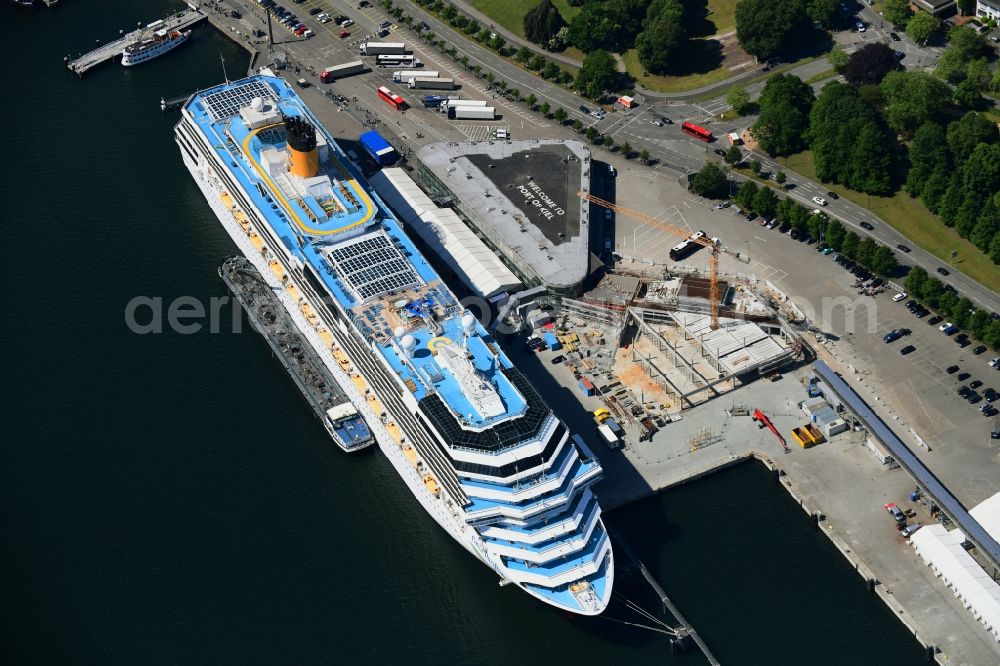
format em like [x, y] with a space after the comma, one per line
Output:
[510, 14]
[923, 228]
[672, 83]
[821, 76]
[722, 13]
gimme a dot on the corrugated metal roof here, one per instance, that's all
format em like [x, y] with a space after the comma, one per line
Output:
[905, 457]
[446, 234]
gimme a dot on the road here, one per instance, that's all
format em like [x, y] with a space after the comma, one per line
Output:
[672, 151]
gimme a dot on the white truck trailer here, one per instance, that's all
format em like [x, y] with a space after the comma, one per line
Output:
[472, 113]
[340, 71]
[432, 83]
[382, 48]
[406, 76]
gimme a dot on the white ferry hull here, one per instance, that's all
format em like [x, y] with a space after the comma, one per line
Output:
[162, 49]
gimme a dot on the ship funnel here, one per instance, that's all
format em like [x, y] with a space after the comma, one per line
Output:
[301, 137]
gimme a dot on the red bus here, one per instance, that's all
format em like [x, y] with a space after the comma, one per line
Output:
[697, 132]
[392, 99]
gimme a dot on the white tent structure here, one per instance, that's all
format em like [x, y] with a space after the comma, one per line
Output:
[987, 513]
[446, 234]
[943, 552]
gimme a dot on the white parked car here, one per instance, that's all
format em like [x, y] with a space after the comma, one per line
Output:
[860, 26]
[819, 201]
[347, 24]
[945, 326]
[898, 297]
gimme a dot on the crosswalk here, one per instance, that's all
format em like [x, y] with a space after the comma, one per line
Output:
[483, 132]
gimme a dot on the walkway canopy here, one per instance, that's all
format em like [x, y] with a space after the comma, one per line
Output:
[446, 234]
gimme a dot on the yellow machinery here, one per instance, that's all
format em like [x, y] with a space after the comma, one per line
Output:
[716, 248]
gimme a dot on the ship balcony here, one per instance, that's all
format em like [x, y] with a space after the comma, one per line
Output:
[543, 483]
[546, 551]
[587, 473]
[584, 511]
[564, 570]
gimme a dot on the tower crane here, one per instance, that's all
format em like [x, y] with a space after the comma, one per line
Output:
[715, 246]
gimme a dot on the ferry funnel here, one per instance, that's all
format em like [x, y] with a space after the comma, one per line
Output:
[301, 137]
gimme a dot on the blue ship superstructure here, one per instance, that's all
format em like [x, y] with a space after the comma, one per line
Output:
[466, 429]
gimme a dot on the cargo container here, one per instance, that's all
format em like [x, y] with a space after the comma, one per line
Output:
[472, 113]
[609, 437]
[435, 101]
[432, 83]
[586, 386]
[551, 341]
[378, 148]
[615, 428]
[331, 74]
[452, 103]
[381, 48]
[408, 75]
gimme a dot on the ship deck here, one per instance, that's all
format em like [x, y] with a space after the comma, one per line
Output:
[359, 252]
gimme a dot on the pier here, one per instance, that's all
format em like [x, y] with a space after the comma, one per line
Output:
[179, 21]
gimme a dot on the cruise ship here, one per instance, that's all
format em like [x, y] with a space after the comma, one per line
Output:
[465, 430]
[156, 41]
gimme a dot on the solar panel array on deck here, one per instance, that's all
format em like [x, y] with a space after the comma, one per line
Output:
[224, 104]
[372, 265]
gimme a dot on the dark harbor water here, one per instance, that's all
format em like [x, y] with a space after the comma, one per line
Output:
[170, 499]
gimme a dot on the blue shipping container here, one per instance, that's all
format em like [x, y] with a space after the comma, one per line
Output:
[551, 341]
[379, 149]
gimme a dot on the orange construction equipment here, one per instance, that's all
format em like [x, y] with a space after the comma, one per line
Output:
[716, 247]
[759, 416]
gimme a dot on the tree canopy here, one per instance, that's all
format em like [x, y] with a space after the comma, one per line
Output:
[968, 132]
[897, 12]
[870, 64]
[911, 99]
[849, 144]
[659, 43]
[710, 181]
[597, 74]
[784, 114]
[965, 45]
[766, 28]
[542, 22]
[922, 27]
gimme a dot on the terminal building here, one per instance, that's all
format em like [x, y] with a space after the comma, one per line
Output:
[521, 198]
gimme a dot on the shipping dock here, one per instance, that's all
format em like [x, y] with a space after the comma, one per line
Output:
[347, 428]
[180, 21]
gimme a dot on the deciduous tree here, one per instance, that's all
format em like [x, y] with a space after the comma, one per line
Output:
[922, 27]
[870, 64]
[542, 22]
[709, 182]
[597, 75]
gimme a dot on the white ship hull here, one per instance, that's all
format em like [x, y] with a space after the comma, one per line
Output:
[162, 48]
[448, 517]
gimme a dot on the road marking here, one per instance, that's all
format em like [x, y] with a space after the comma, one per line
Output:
[762, 240]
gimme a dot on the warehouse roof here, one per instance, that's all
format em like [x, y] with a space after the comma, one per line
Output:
[446, 234]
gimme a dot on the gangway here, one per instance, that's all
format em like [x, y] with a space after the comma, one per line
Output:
[179, 21]
[762, 418]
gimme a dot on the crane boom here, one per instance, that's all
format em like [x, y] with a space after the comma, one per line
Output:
[715, 246]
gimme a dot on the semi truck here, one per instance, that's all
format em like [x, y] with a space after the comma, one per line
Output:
[432, 83]
[378, 148]
[452, 103]
[435, 101]
[472, 113]
[609, 436]
[331, 74]
[408, 75]
[381, 48]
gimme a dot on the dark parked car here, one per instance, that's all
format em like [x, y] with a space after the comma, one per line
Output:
[907, 349]
[751, 216]
[911, 304]
[902, 248]
[962, 340]
[973, 398]
[315, 10]
[943, 271]
[720, 152]
[584, 109]
[952, 369]
[833, 195]
[962, 376]
[979, 350]
[865, 225]
[894, 36]
[556, 360]
[974, 384]
[990, 395]
[921, 312]
[964, 391]
[936, 319]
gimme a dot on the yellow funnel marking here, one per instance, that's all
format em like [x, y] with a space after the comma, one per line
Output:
[433, 343]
